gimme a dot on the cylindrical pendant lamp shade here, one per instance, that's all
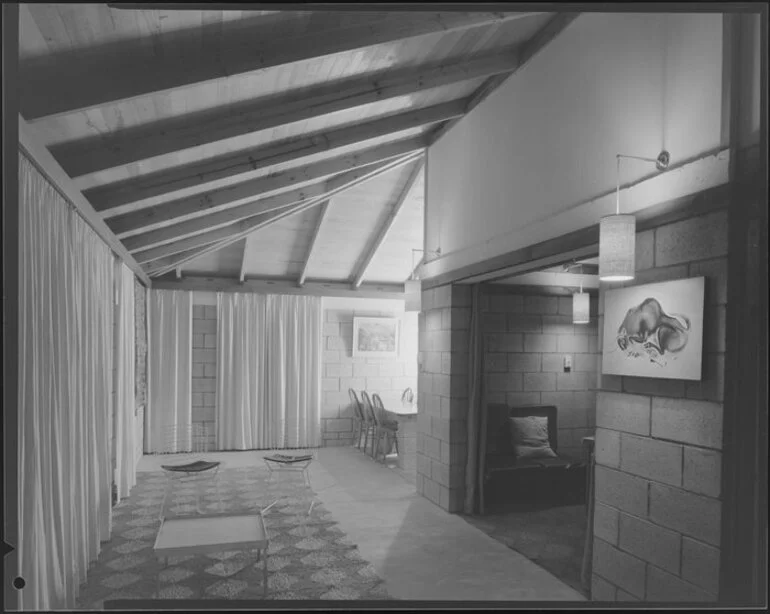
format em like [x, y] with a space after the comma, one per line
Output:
[413, 291]
[617, 247]
[580, 308]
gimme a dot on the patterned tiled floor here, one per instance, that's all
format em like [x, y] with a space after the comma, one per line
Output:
[309, 556]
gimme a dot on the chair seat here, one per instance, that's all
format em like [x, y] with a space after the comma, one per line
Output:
[287, 458]
[195, 467]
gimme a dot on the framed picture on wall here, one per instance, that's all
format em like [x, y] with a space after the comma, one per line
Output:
[375, 337]
[655, 330]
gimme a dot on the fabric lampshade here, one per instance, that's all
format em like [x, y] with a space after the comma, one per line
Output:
[413, 290]
[580, 308]
[617, 247]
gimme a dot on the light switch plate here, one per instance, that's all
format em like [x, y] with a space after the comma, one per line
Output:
[567, 363]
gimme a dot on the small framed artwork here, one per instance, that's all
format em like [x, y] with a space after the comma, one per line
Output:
[375, 337]
[655, 330]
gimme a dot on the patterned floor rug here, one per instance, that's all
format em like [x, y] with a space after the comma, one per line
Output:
[309, 556]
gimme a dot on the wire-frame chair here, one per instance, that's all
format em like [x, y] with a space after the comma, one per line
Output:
[359, 419]
[188, 445]
[386, 427]
[371, 421]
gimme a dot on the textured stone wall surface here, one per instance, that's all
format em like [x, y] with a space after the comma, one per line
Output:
[658, 443]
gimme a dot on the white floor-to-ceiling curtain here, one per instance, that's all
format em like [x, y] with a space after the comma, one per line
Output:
[269, 371]
[168, 420]
[125, 430]
[65, 389]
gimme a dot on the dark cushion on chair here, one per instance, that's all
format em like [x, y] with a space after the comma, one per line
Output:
[195, 467]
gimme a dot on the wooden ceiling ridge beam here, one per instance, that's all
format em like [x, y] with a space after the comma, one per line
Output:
[31, 143]
[182, 208]
[198, 174]
[313, 241]
[198, 283]
[382, 233]
[251, 209]
[102, 152]
[555, 26]
[164, 265]
[122, 72]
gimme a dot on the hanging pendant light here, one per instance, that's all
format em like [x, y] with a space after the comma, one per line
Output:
[581, 305]
[617, 243]
[617, 234]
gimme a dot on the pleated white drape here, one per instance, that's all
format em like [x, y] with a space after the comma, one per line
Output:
[125, 428]
[169, 371]
[269, 371]
[65, 389]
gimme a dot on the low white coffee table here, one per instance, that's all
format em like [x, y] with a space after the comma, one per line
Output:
[185, 535]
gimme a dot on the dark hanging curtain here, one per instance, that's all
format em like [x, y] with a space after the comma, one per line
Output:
[477, 427]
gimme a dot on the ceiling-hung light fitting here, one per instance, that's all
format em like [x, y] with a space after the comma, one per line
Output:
[617, 233]
[581, 306]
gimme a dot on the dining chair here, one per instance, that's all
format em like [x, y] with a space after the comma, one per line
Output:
[386, 427]
[359, 419]
[371, 422]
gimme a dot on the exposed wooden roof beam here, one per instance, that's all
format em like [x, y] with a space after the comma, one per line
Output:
[121, 71]
[30, 141]
[242, 274]
[289, 286]
[164, 265]
[527, 51]
[200, 173]
[98, 153]
[316, 231]
[203, 223]
[184, 208]
[382, 234]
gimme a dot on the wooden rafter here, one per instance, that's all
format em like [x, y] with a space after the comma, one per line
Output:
[316, 231]
[121, 71]
[164, 265]
[382, 233]
[31, 143]
[180, 209]
[287, 150]
[527, 51]
[242, 274]
[175, 232]
[97, 153]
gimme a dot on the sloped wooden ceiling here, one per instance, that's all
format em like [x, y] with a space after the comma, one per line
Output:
[277, 146]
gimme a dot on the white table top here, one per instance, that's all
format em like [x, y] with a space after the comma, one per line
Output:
[211, 532]
[402, 410]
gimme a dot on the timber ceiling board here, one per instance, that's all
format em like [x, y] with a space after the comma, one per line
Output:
[394, 259]
[351, 222]
[189, 130]
[279, 250]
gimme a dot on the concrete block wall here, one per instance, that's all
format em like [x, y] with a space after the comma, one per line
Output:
[204, 370]
[443, 395]
[658, 443]
[388, 377]
[526, 339]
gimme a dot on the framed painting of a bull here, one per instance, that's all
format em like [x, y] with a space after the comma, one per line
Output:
[655, 330]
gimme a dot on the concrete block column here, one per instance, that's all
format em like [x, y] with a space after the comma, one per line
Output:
[443, 395]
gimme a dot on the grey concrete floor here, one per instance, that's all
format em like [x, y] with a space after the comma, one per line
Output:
[421, 551]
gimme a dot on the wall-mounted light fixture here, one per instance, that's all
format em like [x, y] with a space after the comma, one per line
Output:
[617, 233]
[413, 285]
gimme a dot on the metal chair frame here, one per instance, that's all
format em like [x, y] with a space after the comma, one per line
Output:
[385, 427]
[358, 418]
[197, 436]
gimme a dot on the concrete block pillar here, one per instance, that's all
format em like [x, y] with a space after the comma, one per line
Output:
[443, 395]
